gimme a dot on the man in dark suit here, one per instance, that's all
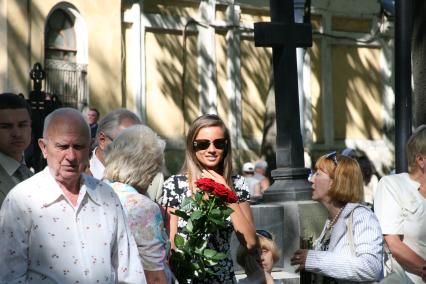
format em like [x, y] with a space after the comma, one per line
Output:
[15, 136]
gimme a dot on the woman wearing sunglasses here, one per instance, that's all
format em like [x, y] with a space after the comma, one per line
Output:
[350, 247]
[209, 155]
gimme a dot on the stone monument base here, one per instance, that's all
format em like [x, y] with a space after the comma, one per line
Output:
[288, 221]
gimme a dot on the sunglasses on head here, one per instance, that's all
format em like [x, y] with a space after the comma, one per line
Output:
[203, 144]
[332, 156]
[264, 233]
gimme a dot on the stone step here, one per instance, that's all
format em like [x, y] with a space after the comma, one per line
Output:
[285, 276]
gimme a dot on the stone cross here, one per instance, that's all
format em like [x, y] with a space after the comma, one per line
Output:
[38, 106]
[284, 36]
[37, 75]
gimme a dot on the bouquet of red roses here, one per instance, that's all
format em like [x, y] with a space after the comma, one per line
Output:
[205, 213]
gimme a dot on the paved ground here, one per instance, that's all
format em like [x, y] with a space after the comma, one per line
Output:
[286, 277]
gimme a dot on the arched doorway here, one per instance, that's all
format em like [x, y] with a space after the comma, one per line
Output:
[66, 56]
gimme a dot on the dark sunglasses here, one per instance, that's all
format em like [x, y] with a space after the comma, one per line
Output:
[332, 156]
[264, 233]
[203, 144]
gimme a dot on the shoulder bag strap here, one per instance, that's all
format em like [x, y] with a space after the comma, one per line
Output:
[350, 232]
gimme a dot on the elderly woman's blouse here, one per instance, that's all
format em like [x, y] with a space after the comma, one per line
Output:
[338, 261]
[401, 210]
[174, 191]
[146, 224]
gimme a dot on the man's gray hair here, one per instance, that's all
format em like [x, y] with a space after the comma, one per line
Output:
[134, 157]
[110, 123]
[61, 113]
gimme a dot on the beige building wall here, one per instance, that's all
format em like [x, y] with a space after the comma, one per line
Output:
[315, 92]
[25, 33]
[167, 108]
[17, 48]
[348, 86]
[357, 90]
[345, 87]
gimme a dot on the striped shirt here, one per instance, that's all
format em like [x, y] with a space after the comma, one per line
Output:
[339, 261]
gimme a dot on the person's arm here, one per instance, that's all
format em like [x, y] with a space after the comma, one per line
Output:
[405, 256]
[172, 226]
[125, 256]
[242, 217]
[13, 250]
[264, 184]
[147, 227]
[156, 277]
[242, 220]
[257, 192]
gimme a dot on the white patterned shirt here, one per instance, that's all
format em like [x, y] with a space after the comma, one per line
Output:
[45, 239]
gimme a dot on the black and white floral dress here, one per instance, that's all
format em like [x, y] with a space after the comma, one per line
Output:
[175, 189]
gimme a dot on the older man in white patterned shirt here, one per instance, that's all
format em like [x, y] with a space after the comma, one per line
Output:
[61, 226]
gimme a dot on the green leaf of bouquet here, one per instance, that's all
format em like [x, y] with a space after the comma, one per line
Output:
[217, 221]
[189, 226]
[197, 215]
[181, 214]
[179, 241]
[219, 256]
[216, 212]
[209, 253]
[199, 196]
[211, 262]
[211, 272]
[201, 246]
[187, 203]
[228, 211]
[195, 265]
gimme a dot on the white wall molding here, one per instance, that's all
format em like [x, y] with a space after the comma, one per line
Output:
[3, 47]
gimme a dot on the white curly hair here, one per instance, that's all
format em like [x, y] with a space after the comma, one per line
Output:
[135, 157]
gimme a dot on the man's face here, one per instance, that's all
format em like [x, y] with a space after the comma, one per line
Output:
[66, 150]
[92, 117]
[15, 132]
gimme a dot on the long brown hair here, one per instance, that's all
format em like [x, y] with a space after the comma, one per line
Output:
[192, 166]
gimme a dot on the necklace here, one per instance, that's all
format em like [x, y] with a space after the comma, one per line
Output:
[333, 222]
[325, 240]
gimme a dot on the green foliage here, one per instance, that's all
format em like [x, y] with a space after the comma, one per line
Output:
[205, 214]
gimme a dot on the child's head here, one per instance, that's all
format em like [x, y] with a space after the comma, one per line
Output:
[269, 253]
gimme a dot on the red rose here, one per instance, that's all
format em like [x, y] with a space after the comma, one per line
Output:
[232, 197]
[206, 184]
[222, 191]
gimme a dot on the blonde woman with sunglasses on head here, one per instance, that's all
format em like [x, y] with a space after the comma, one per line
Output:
[209, 155]
[350, 247]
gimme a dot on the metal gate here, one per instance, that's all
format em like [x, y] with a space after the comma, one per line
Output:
[68, 81]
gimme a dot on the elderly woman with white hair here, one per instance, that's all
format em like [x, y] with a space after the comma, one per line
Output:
[132, 161]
